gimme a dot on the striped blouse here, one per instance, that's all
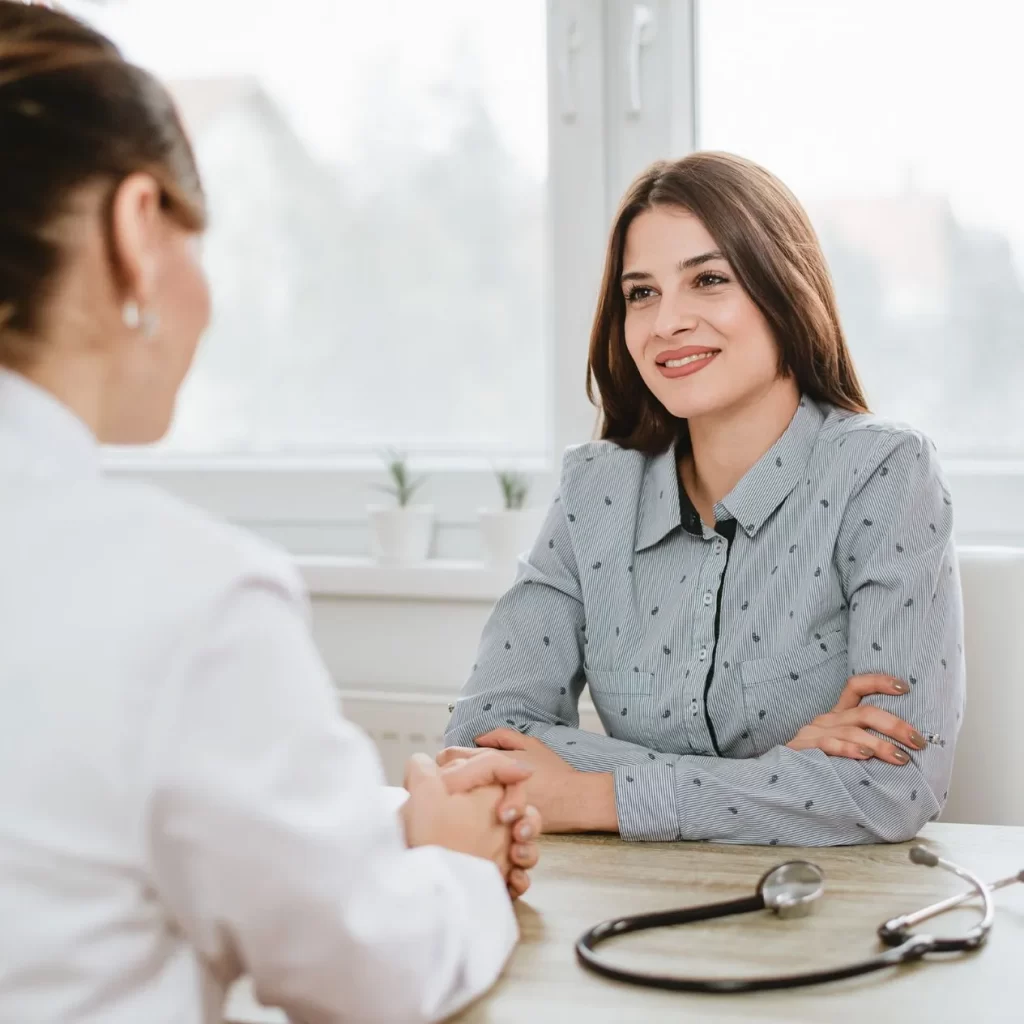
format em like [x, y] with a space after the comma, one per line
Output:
[706, 650]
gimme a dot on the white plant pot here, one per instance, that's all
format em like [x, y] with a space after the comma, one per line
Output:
[508, 534]
[401, 536]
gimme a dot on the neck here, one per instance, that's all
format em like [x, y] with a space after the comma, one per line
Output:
[725, 445]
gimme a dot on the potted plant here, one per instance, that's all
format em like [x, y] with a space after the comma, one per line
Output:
[401, 533]
[511, 530]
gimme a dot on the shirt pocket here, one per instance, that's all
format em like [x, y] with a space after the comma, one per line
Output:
[784, 692]
[624, 699]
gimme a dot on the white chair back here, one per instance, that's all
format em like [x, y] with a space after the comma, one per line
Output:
[988, 773]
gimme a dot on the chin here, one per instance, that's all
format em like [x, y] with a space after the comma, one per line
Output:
[693, 405]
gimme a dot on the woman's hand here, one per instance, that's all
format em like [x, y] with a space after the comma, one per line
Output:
[464, 822]
[568, 800]
[843, 731]
[489, 767]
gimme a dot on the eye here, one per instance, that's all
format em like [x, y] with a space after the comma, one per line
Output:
[638, 293]
[710, 278]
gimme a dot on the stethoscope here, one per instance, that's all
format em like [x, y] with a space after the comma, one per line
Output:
[792, 890]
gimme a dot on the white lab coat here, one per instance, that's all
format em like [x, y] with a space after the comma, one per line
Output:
[180, 801]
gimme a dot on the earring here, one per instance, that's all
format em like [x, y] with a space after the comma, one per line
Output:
[130, 315]
[136, 319]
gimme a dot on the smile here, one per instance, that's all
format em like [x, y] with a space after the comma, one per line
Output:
[683, 364]
[686, 360]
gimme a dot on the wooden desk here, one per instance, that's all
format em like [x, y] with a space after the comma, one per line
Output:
[582, 880]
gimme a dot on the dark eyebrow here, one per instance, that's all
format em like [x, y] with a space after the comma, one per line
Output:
[682, 265]
[635, 275]
[696, 261]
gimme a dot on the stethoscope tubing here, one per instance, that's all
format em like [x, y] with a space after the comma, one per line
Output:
[905, 947]
[913, 949]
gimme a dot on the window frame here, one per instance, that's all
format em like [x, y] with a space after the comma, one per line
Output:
[317, 506]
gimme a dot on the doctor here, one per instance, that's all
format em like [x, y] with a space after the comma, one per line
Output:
[180, 802]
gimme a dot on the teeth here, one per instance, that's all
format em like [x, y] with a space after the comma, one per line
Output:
[673, 363]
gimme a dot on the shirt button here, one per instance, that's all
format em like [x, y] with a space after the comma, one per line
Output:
[703, 653]
[707, 599]
[718, 547]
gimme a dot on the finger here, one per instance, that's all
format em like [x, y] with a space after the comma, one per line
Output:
[503, 739]
[512, 805]
[450, 754]
[858, 687]
[419, 770]
[524, 855]
[867, 716]
[489, 769]
[530, 827]
[876, 745]
[835, 746]
[518, 883]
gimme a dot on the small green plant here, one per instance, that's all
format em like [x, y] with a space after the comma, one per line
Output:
[514, 490]
[402, 486]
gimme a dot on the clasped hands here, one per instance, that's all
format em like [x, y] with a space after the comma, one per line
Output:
[476, 806]
[570, 800]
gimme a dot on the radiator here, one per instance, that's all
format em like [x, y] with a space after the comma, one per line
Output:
[403, 724]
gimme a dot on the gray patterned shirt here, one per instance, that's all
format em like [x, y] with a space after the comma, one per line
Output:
[706, 650]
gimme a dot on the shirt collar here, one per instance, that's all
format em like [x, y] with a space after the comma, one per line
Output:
[659, 500]
[767, 484]
[751, 502]
[45, 429]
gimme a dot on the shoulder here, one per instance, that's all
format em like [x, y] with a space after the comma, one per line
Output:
[605, 467]
[605, 452]
[189, 549]
[869, 441]
[601, 459]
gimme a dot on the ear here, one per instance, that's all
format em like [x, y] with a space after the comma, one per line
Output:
[135, 231]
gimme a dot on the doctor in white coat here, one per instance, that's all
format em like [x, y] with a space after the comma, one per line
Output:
[180, 801]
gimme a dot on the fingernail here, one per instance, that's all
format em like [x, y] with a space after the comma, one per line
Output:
[902, 756]
[526, 832]
[521, 852]
[901, 687]
[509, 815]
[917, 739]
[866, 752]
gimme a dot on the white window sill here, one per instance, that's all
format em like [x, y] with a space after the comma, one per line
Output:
[434, 580]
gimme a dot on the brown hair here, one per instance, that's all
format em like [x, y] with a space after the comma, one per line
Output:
[764, 233]
[73, 112]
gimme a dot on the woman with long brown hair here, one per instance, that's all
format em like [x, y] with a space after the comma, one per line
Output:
[180, 801]
[754, 577]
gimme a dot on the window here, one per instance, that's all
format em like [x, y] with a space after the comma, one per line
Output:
[891, 122]
[410, 201]
[377, 252]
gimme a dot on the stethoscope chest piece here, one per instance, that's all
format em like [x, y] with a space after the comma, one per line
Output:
[792, 889]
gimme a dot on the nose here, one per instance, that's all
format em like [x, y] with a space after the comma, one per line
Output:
[675, 317]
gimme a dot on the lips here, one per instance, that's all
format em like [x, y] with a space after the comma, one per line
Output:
[683, 353]
[685, 361]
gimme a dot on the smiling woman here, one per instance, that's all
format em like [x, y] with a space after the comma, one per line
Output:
[752, 574]
[746, 254]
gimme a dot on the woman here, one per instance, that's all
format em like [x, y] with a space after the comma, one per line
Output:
[179, 800]
[743, 557]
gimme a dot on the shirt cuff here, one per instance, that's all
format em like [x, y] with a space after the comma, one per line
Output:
[645, 801]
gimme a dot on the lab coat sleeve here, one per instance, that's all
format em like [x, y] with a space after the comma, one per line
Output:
[273, 848]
